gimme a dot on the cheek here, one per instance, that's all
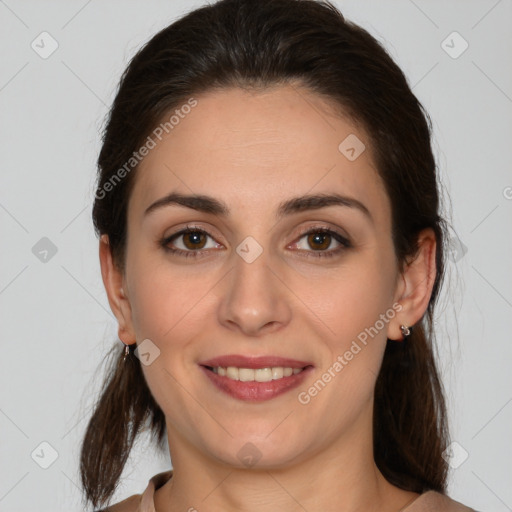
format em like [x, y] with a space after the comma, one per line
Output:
[167, 308]
[171, 304]
[351, 300]
[356, 306]
[156, 297]
[161, 303]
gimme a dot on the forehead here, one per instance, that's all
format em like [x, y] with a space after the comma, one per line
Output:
[254, 148]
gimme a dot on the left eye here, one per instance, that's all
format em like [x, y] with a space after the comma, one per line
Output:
[320, 240]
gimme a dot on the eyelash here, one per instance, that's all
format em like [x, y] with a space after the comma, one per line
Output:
[345, 243]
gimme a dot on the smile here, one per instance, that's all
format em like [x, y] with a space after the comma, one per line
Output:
[255, 379]
[258, 375]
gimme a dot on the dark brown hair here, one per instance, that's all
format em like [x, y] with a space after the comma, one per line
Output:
[259, 44]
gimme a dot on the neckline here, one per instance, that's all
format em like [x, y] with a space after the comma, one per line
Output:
[160, 479]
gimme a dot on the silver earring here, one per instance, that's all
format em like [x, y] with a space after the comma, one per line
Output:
[406, 331]
[126, 352]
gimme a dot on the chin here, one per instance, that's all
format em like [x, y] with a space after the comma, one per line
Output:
[257, 452]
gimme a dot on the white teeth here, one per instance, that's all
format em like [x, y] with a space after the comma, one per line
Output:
[277, 373]
[245, 374]
[263, 375]
[258, 375]
[232, 372]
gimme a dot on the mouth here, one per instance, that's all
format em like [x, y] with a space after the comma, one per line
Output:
[255, 379]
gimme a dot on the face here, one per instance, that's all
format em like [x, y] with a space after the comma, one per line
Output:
[269, 280]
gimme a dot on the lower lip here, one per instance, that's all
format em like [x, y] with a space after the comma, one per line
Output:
[256, 391]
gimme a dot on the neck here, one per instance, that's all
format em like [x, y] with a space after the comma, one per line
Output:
[342, 477]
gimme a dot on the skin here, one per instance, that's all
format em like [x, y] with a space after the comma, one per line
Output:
[252, 151]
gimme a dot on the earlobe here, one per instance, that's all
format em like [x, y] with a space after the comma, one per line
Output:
[417, 281]
[117, 298]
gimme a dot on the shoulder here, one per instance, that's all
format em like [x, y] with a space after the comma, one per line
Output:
[130, 504]
[141, 502]
[432, 501]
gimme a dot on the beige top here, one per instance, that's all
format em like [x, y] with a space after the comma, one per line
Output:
[429, 501]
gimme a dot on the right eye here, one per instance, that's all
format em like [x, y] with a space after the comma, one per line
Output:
[190, 242]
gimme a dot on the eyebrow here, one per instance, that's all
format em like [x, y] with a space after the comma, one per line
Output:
[207, 204]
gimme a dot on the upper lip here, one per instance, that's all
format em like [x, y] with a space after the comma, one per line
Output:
[240, 361]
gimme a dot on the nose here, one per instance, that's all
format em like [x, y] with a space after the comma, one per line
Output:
[254, 299]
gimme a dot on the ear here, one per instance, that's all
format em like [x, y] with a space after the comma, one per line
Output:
[113, 280]
[415, 285]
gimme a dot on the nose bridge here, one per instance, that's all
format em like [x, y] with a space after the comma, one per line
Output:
[253, 299]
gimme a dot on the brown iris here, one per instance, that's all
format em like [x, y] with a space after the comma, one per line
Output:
[323, 239]
[194, 237]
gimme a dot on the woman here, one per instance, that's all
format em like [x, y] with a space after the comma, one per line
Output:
[271, 242]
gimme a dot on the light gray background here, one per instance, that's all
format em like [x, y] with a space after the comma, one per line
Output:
[56, 322]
